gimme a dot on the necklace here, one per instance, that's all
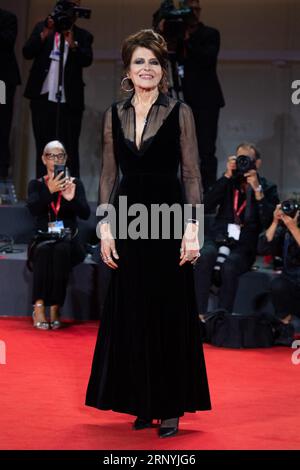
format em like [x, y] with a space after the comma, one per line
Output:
[145, 118]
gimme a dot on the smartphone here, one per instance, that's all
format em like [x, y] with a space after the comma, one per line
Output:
[58, 169]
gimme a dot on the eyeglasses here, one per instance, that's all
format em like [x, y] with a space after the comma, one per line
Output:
[57, 156]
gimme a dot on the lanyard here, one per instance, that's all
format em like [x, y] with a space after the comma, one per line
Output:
[57, 41]
[55, 207]
[238, 211]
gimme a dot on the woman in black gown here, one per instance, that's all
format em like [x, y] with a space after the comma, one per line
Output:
[148, 359]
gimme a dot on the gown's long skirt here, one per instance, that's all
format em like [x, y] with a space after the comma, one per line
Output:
[148, 359]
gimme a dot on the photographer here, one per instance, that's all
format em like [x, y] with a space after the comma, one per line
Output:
[283, 238]
[201, 88]
[195, 47]
[44, 47]
[55, 201]
[246, 202]
[9, 74]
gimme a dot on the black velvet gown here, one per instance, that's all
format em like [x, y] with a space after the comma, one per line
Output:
[148, 358]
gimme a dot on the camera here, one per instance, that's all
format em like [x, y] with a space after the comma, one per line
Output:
[175, 22]
[290, 207]
[65, 14]
[225, 245]
[244, 164]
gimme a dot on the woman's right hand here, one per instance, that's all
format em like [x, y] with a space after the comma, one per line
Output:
[56, 184]
[108, 247]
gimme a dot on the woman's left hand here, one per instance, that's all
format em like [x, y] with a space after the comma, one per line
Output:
[190, 249]
[69, 190]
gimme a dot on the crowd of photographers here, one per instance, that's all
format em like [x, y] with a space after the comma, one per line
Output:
[246, 206]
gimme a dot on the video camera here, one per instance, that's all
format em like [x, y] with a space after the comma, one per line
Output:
[290, 207]
[175, 24]
[65, 14]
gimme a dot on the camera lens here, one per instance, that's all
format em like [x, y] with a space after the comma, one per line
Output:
[290, 207]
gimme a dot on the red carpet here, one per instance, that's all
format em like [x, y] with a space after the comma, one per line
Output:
[255, 397]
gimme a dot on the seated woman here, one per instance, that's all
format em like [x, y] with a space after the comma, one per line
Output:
[283, 238]
[55, 201]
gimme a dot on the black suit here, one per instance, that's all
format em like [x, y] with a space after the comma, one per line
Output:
[256, 217]
[202, 91]
[44, 111]
[9, 74]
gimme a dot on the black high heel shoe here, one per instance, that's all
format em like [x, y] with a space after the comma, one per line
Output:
[168, 427]
[141, 423]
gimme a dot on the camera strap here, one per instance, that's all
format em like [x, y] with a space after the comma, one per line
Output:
[55, 207]
[238, 210]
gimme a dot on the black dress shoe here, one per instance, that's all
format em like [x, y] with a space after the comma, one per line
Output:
[168, 427]
[141, 423]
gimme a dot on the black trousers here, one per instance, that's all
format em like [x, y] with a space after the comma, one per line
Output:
[206, 121]
[6, 114]
[51, 269]
[44, 114]
[238, 262]
[285, 296]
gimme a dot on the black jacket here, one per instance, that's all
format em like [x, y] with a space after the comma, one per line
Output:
[40, 199]
[257, 216]
[82, 56]
[201, 87]
[9, 70]
[285, 246]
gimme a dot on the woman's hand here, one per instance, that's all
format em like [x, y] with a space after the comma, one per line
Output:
[190, 245]
[68, 192]
[56, 184]
[108, 246]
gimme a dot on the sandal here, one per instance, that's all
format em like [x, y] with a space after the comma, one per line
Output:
[55, 325]
[40, 325]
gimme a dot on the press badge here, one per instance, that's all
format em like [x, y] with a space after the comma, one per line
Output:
[55, 55]
[234, 231]
[55, 227]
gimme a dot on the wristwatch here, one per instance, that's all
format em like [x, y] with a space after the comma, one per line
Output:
[259, 189]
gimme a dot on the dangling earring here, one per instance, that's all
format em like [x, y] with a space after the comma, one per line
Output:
[124, 89]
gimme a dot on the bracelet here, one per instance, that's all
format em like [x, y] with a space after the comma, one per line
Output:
[193, 221]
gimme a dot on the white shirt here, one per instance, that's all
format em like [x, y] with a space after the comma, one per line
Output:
[51, 82]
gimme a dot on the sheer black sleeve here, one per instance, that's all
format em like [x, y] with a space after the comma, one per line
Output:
[109, 173]
[190, 163]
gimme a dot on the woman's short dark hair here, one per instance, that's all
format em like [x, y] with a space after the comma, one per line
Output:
[150, 40]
